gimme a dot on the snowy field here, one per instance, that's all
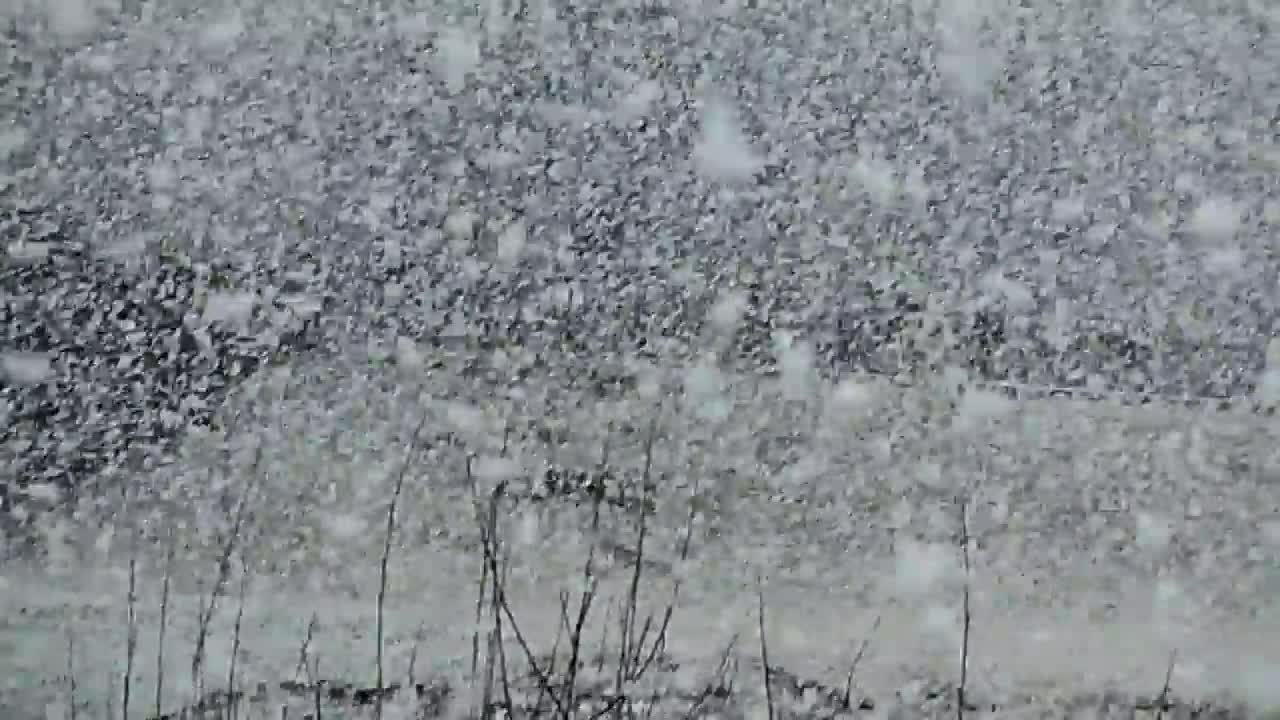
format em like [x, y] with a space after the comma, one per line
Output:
[939, 329]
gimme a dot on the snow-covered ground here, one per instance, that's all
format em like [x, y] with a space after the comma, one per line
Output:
[1089, 567]
[250, 246]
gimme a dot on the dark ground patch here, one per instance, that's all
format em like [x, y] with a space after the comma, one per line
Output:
[132, 366]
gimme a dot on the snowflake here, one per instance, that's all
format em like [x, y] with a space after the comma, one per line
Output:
[723, 152]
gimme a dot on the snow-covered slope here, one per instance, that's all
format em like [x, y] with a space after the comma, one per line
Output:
[249, 246]
[1089, 569]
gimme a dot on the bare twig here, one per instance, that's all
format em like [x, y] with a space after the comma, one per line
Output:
[604, 638]
[615, 703]
[620, 670]
[303, 658]
[413, 655]
[660, 641]
[562, 629]
[639, 644]
[490, 659]
[386, 559]
[632, 647]
[1162, 701]
[131, 640]
[164, 620]
[722, 681]
[493, 569]
[232, 704]
[584, 609]
[589, 579]
[486, 520]
[197, 675]
[315, 683]
[224, 571]
[764, 650]
[498, 643]
[484, 573]
[71, 672]
[966, 610]
[857, 658]
[544, 682]
[488, 530]
[566, 625]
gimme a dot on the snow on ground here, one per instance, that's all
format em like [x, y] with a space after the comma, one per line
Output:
[1017, 654]
[1088, 572]
[247, 246]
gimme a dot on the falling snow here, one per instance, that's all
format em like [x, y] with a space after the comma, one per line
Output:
[890, 309]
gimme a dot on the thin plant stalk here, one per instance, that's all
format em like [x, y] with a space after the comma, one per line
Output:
[232, 704]
[386, 559]
[966, 617]
[224, 570]
[71, 673]
[164, 621]
[764, 651]
[853, 666]
[131, 641]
